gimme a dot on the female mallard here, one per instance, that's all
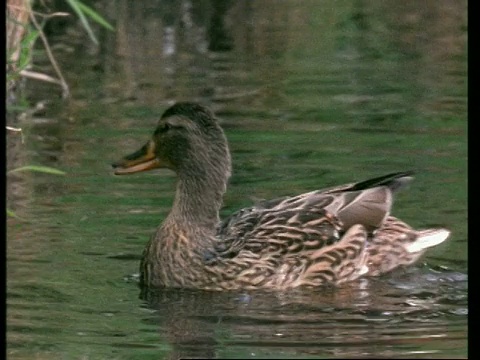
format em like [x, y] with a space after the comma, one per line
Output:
[326, 236]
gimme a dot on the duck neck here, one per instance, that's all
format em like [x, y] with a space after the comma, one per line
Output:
[197, 202]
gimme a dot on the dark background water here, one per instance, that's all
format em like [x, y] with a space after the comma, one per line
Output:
[311, 94]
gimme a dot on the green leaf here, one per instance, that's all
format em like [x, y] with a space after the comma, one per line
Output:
[95, 16]
[44, 169]
[11, 213]
[75, 6]
[81, 10]
[18, 108]
[26, 52]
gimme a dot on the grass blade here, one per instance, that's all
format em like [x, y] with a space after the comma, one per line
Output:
[75, 6]
[95, 16]
[43, 169]
[81, 10]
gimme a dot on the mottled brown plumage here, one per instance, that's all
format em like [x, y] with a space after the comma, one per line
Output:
[327, 236]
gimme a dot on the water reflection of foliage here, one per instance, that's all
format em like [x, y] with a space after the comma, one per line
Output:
[23, 30]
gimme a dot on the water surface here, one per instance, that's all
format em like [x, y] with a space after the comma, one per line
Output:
[310, 96]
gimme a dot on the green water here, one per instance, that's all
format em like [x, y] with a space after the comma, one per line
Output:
[309, 96]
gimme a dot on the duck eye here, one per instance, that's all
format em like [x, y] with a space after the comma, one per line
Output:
[163, 129]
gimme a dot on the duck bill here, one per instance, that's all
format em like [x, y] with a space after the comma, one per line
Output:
[141, 160]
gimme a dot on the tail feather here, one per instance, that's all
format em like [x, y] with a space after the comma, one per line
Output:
[368, 202]
[394, 181]
[427, 239]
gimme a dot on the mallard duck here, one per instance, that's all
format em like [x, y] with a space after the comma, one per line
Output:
[327, 236]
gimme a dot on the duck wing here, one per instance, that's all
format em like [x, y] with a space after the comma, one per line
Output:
[308, 221]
